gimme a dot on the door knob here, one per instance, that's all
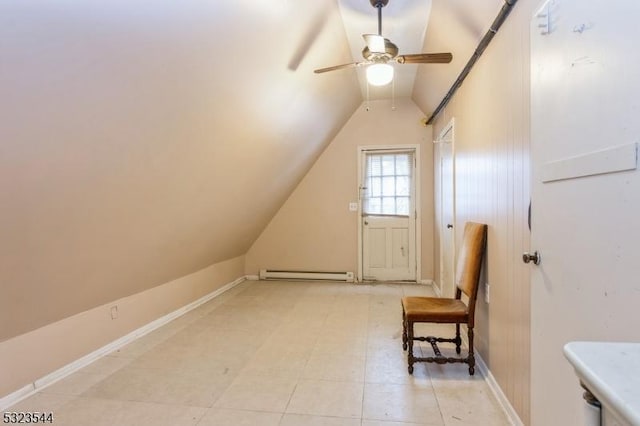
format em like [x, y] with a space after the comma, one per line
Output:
[529, 257]
[449, 226]
[366, 222]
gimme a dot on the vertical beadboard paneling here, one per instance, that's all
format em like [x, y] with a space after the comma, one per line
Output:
[491, 111]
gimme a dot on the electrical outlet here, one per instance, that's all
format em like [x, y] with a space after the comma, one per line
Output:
[353, 207]
[486, 292]
[114, 312]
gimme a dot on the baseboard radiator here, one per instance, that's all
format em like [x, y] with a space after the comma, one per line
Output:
[273, 274]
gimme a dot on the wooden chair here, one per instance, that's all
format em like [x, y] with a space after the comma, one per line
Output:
[449, 311]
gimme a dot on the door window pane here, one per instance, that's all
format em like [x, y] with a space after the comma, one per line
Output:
[388, 205]
[402, 185]
[402, 165]
[388, 184]
[388, 165]
[376, 186]
[402, 206]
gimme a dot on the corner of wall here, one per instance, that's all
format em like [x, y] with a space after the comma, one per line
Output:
[22, 357]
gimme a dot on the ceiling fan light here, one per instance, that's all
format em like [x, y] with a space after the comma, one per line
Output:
[379, 74]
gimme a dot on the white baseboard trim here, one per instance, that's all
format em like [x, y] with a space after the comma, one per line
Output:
[496, 390]
[428, 282]
[30, 389]
[513, 417]
[252, 277]
[17, 396]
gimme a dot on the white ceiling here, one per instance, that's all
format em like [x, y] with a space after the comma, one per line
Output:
[404, 22]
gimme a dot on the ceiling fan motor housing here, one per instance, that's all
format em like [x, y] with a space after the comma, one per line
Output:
[391, 51]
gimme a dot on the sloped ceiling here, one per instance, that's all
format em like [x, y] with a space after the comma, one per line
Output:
[143, 140]
[455, 26]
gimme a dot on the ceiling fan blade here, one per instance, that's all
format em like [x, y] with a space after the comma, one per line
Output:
[425, 58]
[375, 43]
[340, 67]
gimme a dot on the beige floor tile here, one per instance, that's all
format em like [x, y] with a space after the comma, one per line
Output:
[389, 365]
[163, 386]
[276, 366]
[106, 365]
[335, 367]
[99, 412]
[285, 336]
[258, 393]
[143, 344]
[280, 356]
[451, 372]
[229, 417]
[306, 420]
[345, 344]
[302, 322]
[463, 402]
[325, 398]
[87, 411]
[338, 322]
[278, 353]
[276, 346]
[42, 402]
[401, 403]
[74, 384]
[203, 356]
[383, 423]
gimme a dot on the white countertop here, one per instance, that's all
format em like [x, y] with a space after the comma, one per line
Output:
[611, 371]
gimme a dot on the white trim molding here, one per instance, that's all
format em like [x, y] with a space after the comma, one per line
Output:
[47, 380]
[508, 409]
[361, 150]
[434, 286]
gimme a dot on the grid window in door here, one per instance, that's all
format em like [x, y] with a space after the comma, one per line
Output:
[387, 188]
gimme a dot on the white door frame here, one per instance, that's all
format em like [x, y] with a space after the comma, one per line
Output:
[450, 127]
[416, 202]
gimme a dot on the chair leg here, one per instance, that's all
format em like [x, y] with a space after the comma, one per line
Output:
[404, 330]
[471, 360]
[410, 358]
[458, 340]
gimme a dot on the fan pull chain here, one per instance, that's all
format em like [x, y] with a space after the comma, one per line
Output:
[393, 94]
[367, 108]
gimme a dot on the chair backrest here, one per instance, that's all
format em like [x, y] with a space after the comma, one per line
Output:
[470, 261]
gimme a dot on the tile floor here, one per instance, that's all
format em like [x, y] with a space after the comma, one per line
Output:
[274, 353]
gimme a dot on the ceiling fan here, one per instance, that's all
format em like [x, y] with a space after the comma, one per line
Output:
[379, 53]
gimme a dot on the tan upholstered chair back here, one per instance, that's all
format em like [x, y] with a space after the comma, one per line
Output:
[470, 259]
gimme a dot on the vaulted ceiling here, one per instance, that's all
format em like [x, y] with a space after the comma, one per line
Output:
[170, 133]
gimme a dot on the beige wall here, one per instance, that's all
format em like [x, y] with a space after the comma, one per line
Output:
[142, 141]
[491, 112]
[314, 229]
[33, 355]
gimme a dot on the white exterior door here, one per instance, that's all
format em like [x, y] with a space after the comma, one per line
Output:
[388, 215]
[447, 212]
[585, 191]
[389, 248]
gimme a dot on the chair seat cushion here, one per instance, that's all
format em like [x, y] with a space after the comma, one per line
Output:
[434, 309]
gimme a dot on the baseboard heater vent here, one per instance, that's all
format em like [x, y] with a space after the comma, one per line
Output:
[272, 274]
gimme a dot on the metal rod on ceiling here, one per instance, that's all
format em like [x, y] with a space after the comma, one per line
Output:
[379, 7]
[495, 26]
